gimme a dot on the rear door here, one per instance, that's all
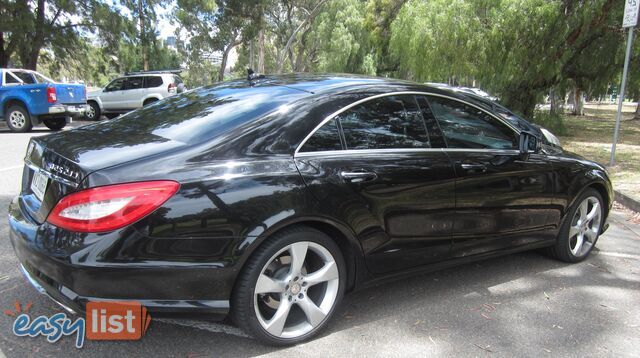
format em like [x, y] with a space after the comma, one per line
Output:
[134, 92]
[502, 199]
[372, 165]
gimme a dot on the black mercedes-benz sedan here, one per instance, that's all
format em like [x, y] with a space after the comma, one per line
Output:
[268, 199]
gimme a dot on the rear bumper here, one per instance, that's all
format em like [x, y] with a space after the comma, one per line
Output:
[160, 288]
[68, 110]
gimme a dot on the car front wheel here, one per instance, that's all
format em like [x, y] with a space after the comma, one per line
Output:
[580, 232]
[290, 287]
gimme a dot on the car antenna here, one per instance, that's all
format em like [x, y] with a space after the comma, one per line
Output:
[251, 76]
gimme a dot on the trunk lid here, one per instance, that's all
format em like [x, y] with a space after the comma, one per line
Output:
[66, 158]
[70, 93]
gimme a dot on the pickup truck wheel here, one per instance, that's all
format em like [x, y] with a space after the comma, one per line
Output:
[93, 112]
[18, 119]
[55, 124]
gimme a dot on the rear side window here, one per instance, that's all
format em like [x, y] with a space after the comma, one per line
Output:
[134, 83]
[384, 123]
[153, 81]
[326, 137]
[465, 126]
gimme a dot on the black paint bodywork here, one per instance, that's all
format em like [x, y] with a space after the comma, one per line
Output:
[241, 183]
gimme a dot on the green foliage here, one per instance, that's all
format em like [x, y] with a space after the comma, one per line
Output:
[553, 122]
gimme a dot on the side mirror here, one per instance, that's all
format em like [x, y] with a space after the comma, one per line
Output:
[529, 144]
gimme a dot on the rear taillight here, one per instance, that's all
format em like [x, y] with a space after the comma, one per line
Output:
[51, 95]
[172, 88]
[110, 207]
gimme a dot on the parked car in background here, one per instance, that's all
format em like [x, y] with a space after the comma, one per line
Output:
[28, 98]
[132, 91]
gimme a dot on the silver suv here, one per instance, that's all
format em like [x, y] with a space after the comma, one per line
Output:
[133, 91]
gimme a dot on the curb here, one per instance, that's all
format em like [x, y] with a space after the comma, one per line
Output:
[627, 201]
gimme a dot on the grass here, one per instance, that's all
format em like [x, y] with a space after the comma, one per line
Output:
[591, 136]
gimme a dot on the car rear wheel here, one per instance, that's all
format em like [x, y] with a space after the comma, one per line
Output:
[580, 232]
[93, 112]
[18, 119]
[55, 124]
[290, 287]
[149, 101]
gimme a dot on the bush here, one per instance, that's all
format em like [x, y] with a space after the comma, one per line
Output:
[552, 122]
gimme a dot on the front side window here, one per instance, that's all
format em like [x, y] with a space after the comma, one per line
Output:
[384, 123]
[116, 85]
[465, 126]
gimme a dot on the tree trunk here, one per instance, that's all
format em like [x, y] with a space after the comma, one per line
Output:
[4, 57]
[261, 52]
[578, 103]
[143, 36]
[251, 55]
[225, 56]
[31, 62]
[556, 102]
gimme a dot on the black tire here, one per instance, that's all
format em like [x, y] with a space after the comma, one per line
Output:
[18, 119]
[243, 308]
[94, 113]
[562, 250]
[55, 124]
[149, 101]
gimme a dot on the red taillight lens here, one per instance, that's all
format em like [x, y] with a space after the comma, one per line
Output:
[172, 88]
[52, 97]
[110, 207]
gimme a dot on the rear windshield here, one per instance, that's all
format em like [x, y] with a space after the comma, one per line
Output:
[204, 113]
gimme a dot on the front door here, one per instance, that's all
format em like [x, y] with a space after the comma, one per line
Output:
[503, 199]
[113, 95]
[373, 165]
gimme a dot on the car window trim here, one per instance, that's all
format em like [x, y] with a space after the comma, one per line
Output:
[381, 95]
[349, 152]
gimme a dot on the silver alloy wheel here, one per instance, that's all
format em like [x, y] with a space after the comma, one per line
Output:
[585, 226]
[91, 112]
[285, 283]
[17, 119]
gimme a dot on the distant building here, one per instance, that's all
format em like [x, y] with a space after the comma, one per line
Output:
[171, 42]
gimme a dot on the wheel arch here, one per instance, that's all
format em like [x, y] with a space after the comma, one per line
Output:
[13, 101]
[151, 98]
[340, 234]
[602, 188]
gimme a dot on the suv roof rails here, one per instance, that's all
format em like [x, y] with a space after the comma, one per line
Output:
[175, 72]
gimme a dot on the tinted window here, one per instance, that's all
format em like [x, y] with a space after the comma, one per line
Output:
[465, 126]
[177, 80]
[204, 113]
[153, 81]
[134, 83]
[116, 85]
[436, 139]
[388, 122]
[326, 137]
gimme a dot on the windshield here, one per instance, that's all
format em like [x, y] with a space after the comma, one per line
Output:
[204, 113]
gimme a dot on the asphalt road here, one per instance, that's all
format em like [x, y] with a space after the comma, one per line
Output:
[518, 305]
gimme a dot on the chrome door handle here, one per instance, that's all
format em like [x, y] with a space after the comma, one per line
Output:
[358, 177]
[474, 167]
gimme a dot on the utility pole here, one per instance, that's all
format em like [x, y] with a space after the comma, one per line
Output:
[629, 21]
